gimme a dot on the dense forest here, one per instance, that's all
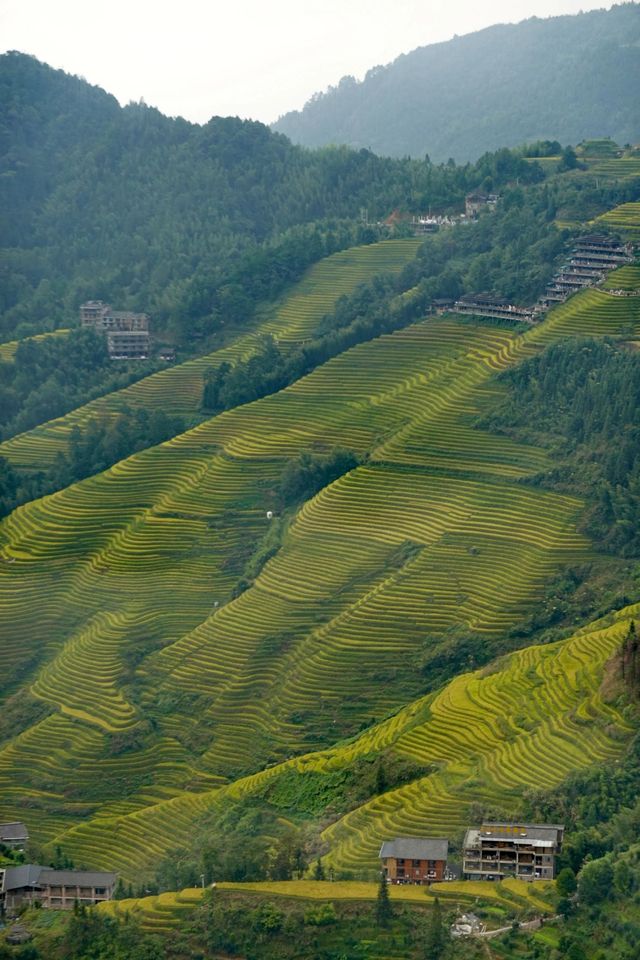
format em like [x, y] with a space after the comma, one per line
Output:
[574, 398]
[567, 77]
[190, 224]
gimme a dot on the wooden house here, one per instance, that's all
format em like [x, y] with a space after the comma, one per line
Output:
[414, 859]
[57, 889]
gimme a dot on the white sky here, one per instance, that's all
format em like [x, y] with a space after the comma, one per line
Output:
[250, 58]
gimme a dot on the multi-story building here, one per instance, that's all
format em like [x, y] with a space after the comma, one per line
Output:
[56, 889]
[128, 344]
[414, 859]
[527, 851]
[92, 313]
[127, 333]
[486, 305]
[592, 257]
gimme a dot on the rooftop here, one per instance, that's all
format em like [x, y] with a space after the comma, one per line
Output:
[497, 826]
[35, 875]
[487, 298]
[415, 848]
[79, 878]
[13, 831]
[24, 876]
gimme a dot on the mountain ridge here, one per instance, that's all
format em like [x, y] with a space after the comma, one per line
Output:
[445, 99]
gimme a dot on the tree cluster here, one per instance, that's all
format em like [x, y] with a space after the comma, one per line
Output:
[100, 444]
[575, 397]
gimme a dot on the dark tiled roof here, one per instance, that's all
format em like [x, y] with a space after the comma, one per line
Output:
[13, 831]
[604, 238]
[27, 875]
[532, 831]
[415, 848]
[485, 298]
[34, 874]
[79, 878]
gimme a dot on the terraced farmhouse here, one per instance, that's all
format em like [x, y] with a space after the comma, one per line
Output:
[164, 684]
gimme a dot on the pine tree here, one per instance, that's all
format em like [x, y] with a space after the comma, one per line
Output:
[381, 778]
[436, 938]
[384, 910]
[318, 870]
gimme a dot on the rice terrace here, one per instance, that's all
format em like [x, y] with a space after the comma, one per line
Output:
[343, 560]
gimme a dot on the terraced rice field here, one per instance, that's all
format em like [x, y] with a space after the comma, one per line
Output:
[178, 390]
[618, 168]
[120, 604]
[166, 912]
[7, 350]
[626, 278]
[528, 722]
[491, 735]
[625, 218]
[591, 313]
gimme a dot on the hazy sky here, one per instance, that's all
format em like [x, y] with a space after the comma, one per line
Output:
[251, 58]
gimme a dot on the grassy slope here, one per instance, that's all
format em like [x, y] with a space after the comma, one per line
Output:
[178, 389]
[122, 572]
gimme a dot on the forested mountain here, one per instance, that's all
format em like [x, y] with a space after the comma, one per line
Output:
[189, 223]
[563, 78]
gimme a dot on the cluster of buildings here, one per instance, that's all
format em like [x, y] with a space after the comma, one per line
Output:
[127, 333]
[492, 851]
[487, 305]
[29, 883]
[591, 259]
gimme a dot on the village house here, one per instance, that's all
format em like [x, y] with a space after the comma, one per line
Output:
[127, 333]
[486, 305]
[475, 202]
[14, 835]
[55, 889]
[527, 851]
[414, 859]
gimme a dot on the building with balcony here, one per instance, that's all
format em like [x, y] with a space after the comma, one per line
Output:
[56, 889]
[527, 851]
[487, 305]
[414, 859]
[128, 344]
[127, 333]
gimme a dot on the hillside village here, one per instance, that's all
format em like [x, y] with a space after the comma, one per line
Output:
[490, 852]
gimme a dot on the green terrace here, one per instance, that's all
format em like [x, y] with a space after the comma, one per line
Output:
[160, 673]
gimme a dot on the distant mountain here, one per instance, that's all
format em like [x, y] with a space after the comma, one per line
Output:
[564, 78]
